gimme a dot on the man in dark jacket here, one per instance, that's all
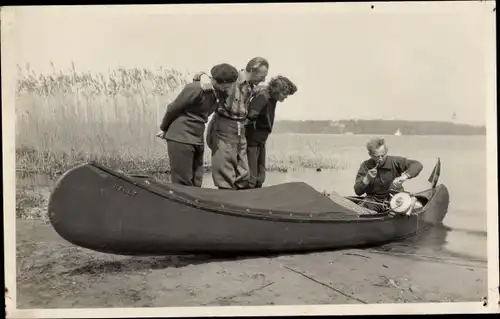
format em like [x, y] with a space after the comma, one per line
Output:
[183, 125]
[260, 124]
[383, 174]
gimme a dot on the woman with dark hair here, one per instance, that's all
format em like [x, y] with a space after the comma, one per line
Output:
[260, 121]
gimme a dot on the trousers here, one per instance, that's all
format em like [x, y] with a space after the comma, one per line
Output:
[256, 164]
[226, 138]
[186, 163]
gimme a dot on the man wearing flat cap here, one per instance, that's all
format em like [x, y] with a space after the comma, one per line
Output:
[184, 124]
[226, 131]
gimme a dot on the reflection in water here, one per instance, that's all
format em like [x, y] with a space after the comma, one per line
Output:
[434, 237]
[435, 242]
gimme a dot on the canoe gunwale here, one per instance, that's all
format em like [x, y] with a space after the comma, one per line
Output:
[270, 216]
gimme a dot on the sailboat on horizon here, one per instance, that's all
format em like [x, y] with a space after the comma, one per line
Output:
[398, 133]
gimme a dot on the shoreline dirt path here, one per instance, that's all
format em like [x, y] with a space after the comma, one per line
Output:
[52, 273]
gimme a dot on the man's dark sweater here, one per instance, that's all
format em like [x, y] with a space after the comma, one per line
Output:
[393, 167]
[186, 116]
[261, 116]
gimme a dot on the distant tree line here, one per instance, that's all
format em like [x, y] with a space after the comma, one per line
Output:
[382, 127]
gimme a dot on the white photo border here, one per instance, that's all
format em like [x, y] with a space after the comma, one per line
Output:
[8, 20]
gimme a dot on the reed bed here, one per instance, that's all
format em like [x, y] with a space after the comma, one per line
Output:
[67, 118]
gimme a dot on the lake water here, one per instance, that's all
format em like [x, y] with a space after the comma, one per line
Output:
[463, 171]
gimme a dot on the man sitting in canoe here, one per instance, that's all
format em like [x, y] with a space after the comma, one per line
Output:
[382, 174]
[260, 124]
[184, 124]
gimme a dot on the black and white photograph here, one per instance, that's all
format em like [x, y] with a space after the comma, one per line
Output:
[250, 159]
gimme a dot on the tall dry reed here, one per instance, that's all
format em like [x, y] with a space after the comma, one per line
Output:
[67, 118]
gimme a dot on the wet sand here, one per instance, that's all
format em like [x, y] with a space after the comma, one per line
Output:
[52, 273]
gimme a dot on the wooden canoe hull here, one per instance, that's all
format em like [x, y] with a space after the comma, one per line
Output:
[96, 208]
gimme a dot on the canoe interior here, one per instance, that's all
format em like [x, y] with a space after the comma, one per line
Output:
[289, 201]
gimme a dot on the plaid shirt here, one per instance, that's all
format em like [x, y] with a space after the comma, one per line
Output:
[235, 106]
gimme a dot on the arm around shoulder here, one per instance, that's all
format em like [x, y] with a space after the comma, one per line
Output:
[198, 75]
[205, 80]
[257, 105]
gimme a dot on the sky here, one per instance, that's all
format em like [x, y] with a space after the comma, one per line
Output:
[397, 61]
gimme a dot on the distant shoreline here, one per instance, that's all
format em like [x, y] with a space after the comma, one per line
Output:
[379, 134]
[378, 127]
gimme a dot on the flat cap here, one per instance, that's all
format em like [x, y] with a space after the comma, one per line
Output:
[224, 73]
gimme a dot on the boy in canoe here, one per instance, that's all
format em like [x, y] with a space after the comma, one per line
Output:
[226, 130]
[383, 174]
[184, 124]
[260, 124]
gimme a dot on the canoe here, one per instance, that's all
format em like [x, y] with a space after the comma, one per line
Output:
[95, 207]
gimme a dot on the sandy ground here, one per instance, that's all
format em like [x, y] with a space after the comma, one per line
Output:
[52, 273]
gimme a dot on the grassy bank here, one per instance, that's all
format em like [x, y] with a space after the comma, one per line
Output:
[31, 204]
[64, 119]
[30, 160]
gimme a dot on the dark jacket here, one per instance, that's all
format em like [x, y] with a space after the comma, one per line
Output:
[185, 118]
[393, 167]
[261, 113]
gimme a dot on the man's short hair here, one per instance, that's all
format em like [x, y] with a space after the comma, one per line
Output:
[281, 84]
[224, 73]
[374, 144]
[256, 63]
